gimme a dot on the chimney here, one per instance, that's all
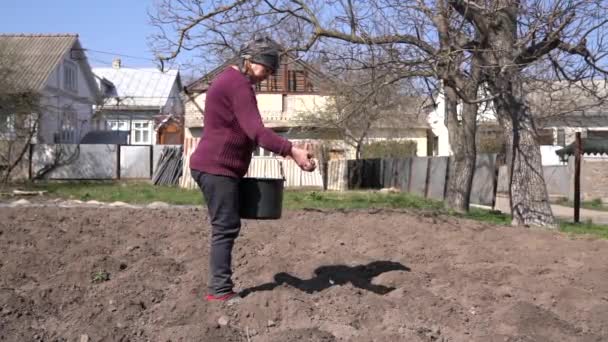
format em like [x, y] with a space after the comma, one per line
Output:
[116, 63]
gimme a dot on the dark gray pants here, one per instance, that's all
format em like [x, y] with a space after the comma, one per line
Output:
[222, 196]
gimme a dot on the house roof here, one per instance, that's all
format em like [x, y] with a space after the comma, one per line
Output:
[575, 119]
[145, 87]
[590, 146]
[563, 104]
[35, 56]
[106, 137]
[200, 85]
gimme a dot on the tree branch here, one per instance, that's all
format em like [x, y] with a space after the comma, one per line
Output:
[183, 32]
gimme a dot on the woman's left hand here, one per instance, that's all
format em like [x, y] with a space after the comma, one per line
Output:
[303, 158]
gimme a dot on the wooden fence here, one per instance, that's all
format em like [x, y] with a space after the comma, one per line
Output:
[262, 167]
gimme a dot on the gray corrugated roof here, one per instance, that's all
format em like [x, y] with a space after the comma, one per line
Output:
[138, 87]
[106, 137]
[590, 146]
[35, 57]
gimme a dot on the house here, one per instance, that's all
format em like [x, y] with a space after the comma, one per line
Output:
[55, 67]
[559, 110]
[144, 102]
[563, 110]
[287, 98]
[436, 118]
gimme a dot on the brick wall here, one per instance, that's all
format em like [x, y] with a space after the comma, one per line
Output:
[594, 179]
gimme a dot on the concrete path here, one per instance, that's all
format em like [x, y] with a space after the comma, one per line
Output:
[596, 216]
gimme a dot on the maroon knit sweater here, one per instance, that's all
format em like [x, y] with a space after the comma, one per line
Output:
[233, 128]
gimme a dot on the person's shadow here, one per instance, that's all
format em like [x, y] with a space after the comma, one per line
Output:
[326, 276]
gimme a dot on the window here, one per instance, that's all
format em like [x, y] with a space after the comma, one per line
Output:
[297, 81]
[141, 133]
[116, 125]
[7, 126]
[70, 76]
[66, 131]
[561, 137]
[291, 80]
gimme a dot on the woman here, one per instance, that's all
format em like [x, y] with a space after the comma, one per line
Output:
[232, 129]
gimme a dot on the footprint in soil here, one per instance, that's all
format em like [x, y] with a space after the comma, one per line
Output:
[327, 276]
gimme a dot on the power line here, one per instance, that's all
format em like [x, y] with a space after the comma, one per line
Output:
[108, 64]
[171, 64]
[120, 55]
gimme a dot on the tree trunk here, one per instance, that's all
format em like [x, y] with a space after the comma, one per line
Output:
[528, 195]
[462, 140]
[529, 200]
[460, 181]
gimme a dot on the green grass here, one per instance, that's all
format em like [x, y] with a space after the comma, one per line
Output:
[595, 204]
[356, 200]
[489, 216]
[145, 192]
[599, 230]
[129, 192]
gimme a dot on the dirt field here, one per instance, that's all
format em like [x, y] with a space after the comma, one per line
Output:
[312, 276]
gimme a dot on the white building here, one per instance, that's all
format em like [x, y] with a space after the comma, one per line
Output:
[140, 101]
[56, 68]
[554, 131]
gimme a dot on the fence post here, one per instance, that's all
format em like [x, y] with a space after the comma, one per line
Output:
[118, 161]
[31, 154]
[495, 181]
[409, 178]
[577, 177]
[447, 178]
[151, 161]
[427, 181]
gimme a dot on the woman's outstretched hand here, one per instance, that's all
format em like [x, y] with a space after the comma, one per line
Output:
[303, 158]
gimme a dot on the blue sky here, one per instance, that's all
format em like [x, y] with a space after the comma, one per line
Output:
[110, 26]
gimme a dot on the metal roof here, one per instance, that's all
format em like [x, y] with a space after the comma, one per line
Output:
[106, 137]
[590, 146]
[138, 87]
[34, 56]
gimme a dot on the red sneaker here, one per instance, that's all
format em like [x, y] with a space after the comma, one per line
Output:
[223, 298]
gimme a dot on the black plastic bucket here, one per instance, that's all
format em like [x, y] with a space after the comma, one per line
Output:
[261, 198]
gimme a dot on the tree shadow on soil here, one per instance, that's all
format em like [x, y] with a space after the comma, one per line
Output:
[327, 276]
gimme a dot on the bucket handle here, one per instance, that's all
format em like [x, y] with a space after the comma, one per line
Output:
[282, 170]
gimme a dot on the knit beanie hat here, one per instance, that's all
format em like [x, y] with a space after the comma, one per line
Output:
[262, 51]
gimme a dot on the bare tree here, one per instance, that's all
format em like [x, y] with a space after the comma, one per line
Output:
[360, 97]
[402, 33]
[18, 121]
[464, 44]
[514, 37]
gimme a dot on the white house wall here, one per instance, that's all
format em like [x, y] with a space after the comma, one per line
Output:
[55, 99]
[308, 103]
[270, 102]
[193, 116]
[436, 120]
[52, 108]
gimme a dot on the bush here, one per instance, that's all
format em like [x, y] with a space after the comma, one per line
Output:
[389, 149]
[490, 144]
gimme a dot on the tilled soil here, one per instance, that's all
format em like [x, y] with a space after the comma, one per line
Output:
[116, 274]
